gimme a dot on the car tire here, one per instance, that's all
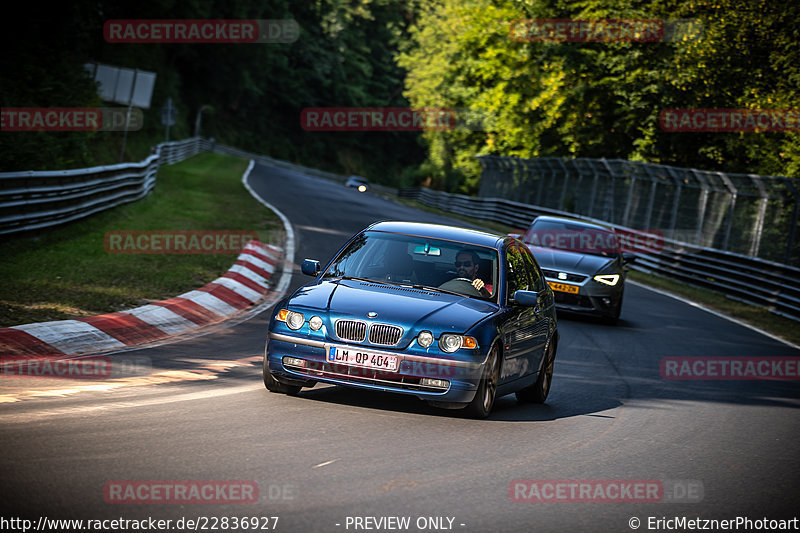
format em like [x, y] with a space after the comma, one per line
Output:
[481, 405]
[273, 385]
[537, 393]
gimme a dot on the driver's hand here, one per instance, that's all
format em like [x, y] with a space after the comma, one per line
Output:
[478, 283]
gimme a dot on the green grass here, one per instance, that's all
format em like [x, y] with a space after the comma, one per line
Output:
[759, 317]
[65, 272]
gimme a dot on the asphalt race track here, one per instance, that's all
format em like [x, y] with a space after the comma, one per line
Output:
[720, 449]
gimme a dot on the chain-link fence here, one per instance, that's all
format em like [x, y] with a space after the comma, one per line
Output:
[741, 213]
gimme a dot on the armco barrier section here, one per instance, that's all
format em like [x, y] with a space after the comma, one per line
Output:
[774, 286]
[31, 200]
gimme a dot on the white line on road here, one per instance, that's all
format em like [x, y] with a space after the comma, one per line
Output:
[325, 463]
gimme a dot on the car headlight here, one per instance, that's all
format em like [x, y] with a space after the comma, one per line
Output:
[607, 279]
[425, 339]
[293, 319]
[315, 323]
[449, 342]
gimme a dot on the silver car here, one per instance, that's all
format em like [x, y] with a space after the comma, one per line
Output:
[582, 262]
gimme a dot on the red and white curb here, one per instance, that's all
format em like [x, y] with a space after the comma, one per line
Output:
[245, 284]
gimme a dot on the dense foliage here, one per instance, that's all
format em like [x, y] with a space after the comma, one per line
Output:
[571, 99]
[344, 57]
[603, 99]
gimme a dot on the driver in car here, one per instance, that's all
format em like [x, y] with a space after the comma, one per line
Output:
[467, 265]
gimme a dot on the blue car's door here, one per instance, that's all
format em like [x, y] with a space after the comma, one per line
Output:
[524, 331]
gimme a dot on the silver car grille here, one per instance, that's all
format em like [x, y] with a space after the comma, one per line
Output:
[351, 330]
[356, 331]
[553, 274]
[385, 334]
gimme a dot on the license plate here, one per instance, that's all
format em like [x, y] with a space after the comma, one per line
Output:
[349, 356]
[563, 287]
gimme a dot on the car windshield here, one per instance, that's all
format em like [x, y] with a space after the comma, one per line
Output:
[563, 235]
[418, 262]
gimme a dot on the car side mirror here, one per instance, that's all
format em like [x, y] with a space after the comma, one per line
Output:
[526, 298]
[310, 267]
[628, 258]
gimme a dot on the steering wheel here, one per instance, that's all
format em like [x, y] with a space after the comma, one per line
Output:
[461, 285]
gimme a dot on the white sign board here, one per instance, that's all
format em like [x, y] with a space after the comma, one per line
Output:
[115, 84]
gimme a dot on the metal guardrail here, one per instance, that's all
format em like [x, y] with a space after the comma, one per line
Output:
[771, 285]
[38, 199]
[31, 200]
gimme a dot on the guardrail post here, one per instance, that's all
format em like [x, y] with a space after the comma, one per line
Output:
[651, 199]
[608, 207]
[701, 207]
[733, 192]
[563, 199]
[628, 203]
[758, 226]
[787, 258]
[538, 163]
[595, 180]
[673, 225]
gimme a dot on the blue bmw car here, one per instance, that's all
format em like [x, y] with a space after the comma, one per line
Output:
[453, 316]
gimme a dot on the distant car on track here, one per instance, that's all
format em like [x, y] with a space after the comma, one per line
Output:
[359, 183]
[582, 262]
[397, 309]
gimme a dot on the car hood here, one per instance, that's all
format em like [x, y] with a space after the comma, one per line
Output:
[554, 259]
[412, 309]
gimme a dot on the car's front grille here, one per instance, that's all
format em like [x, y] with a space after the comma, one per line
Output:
[351, 330]
[356, 331]
[553, 274]
[385, 334]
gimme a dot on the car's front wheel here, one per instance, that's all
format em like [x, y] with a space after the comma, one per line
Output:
[537, 393]
[272, 384]
[481, 405]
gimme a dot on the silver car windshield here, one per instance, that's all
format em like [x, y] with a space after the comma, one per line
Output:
[573, 238]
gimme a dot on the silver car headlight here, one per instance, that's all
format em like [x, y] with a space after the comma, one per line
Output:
[607, 279]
